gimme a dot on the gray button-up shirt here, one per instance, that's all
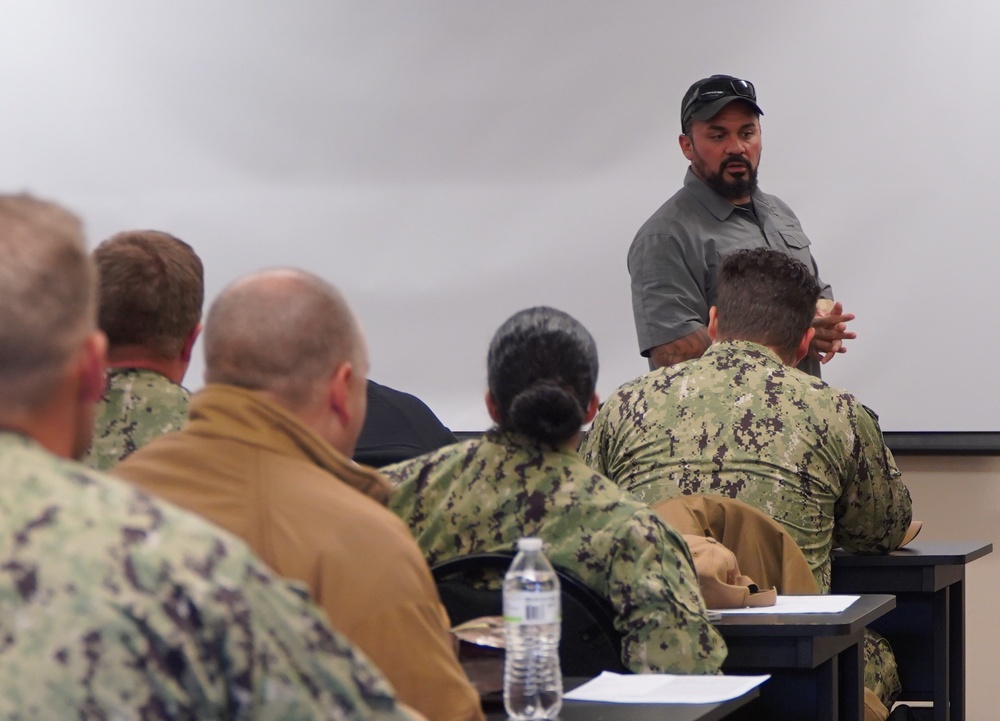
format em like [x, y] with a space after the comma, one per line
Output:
[676, 254]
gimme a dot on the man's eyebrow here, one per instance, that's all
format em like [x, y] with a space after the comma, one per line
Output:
[723, 128]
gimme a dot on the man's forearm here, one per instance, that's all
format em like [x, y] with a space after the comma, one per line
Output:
[693, 345]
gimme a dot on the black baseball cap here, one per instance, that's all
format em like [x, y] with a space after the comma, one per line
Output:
[710, 95]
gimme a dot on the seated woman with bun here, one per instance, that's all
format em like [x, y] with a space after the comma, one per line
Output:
[524, 478]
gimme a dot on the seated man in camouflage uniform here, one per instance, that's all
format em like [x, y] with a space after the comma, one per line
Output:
[524, 478]
[112, 604]
[742, 422]
[150, 309]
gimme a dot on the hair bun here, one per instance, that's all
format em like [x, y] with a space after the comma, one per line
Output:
[545, 411]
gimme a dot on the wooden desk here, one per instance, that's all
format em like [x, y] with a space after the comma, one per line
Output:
[927, 629]
[815, 660]
[592, 711]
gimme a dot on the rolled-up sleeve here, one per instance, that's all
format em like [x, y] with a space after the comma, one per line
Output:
[668, 290]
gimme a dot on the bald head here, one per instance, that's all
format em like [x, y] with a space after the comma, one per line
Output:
[48, 297]
[281, 331]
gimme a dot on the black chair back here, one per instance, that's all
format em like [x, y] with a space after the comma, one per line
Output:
[589, 641]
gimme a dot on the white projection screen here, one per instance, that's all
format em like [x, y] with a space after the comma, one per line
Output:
[449, 163]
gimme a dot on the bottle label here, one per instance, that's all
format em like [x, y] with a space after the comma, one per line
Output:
[541, 607]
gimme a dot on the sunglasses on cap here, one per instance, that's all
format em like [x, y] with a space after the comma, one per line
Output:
[715, 89]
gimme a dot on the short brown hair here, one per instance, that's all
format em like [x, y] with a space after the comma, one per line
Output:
[765, 296]
[152, 290]
[48, 295]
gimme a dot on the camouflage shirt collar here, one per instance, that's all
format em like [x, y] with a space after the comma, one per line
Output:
[10, 437]
[521, 441]
[743, 350]
[123, 372]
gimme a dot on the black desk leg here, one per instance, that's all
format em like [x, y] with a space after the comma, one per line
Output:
[794, 695]
[851, 693]
[942, 659]
[957, 638]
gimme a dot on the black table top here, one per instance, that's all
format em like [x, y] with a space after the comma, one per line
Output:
[919, 553]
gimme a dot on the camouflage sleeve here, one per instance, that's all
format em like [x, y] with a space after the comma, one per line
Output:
[293, 665]
[399, 472]
[403, 499]
[874, 510]
[210, 633]
[662, 615]
[592, 449]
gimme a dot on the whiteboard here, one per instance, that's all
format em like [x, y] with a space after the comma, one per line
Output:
[449, 163]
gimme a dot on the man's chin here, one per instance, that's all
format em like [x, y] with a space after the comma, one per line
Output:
[732, 188]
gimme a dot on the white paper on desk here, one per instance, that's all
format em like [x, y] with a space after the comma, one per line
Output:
[663, 688]
[799, 604]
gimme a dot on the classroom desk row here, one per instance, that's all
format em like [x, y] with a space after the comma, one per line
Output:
[915, 597]
[927, 629]
[815, 663]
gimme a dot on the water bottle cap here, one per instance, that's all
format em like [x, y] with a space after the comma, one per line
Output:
[529, 544]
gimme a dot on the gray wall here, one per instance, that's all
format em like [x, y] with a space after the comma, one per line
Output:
[959, 498]
[449, 163]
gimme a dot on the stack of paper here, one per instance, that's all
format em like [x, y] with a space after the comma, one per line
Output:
[663, 688]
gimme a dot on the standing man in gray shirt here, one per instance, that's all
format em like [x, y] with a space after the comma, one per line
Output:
[676, 253]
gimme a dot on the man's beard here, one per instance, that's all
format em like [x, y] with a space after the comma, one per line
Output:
[739, 187]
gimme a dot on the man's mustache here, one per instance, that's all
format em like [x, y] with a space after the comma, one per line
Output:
[735, 159]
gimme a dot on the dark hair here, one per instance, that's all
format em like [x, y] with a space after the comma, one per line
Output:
[765, 296]
[152, 288]
[542, 372]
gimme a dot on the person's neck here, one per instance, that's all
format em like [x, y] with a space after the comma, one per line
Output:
[53, 426]
[135, 357]
[317, 417]
[787, 357]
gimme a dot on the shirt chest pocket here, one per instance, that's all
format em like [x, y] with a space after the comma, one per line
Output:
[792, 239]
[793, 242]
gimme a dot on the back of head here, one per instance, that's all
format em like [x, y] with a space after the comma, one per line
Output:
[767, 297]
[152, 289]
[47, 297]
[542, 372]
[280, 331]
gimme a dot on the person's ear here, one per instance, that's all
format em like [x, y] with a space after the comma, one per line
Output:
[591, 409]
[92, 368]
[491, 408]
[687, 147]
[713, 323]
[803, 350]
[189, 343]
[338, 392]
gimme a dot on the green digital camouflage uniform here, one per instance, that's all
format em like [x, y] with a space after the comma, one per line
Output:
[738, 422]
[137, 406]
[483, 495]
[117, 606]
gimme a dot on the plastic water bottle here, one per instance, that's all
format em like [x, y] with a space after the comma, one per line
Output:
[532, 680]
